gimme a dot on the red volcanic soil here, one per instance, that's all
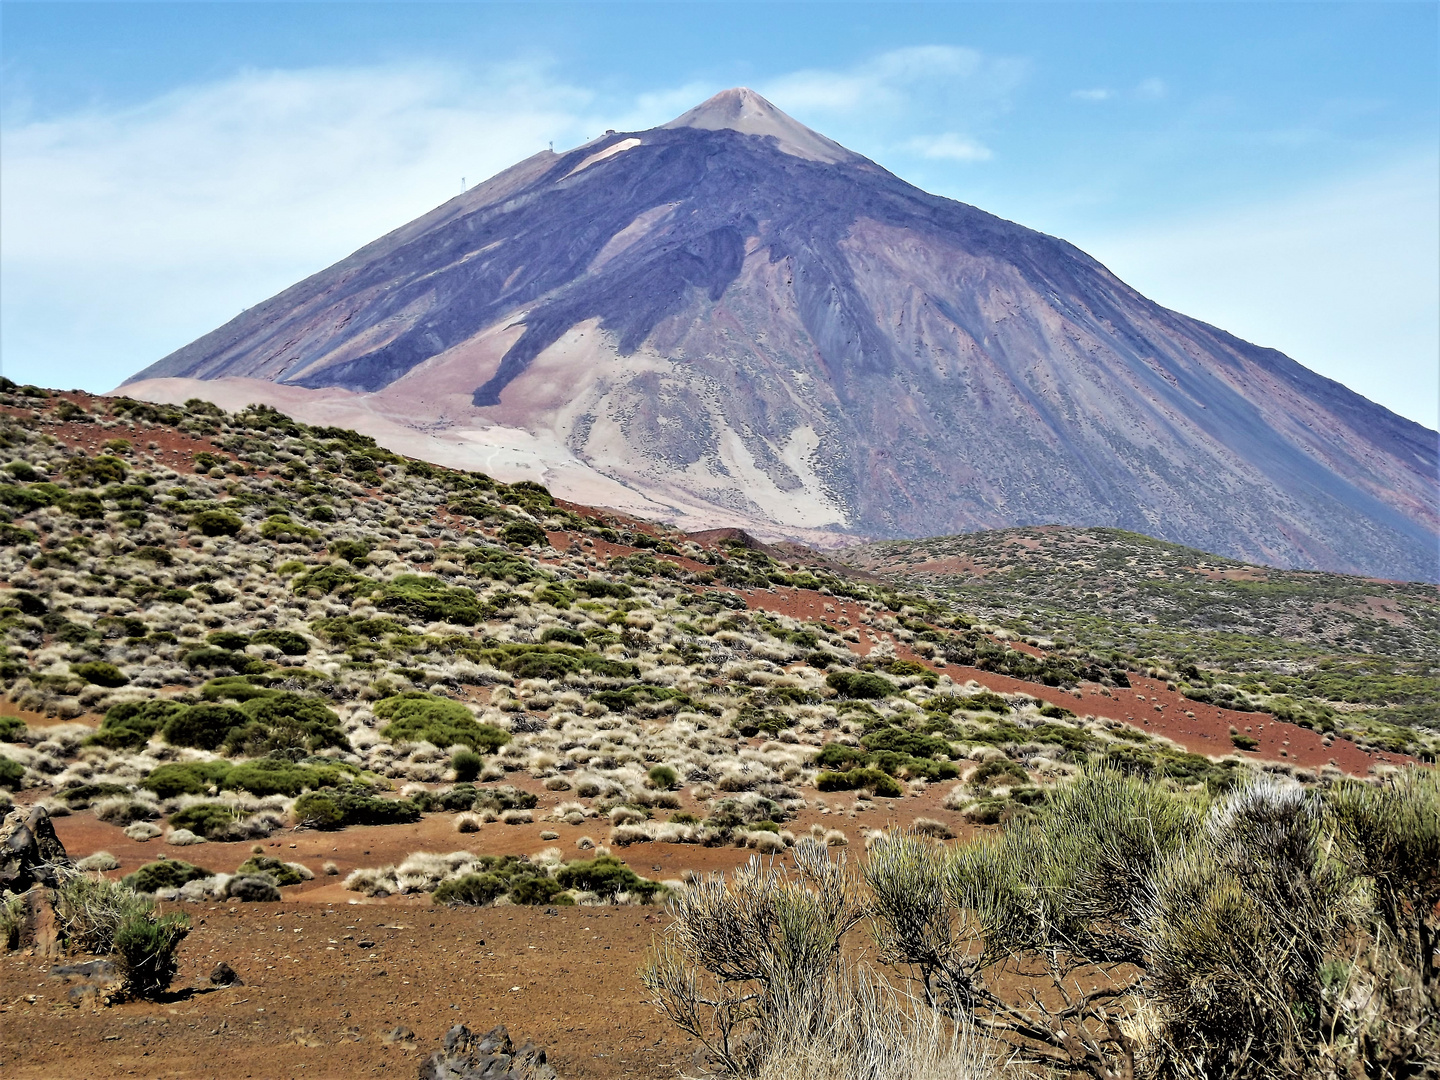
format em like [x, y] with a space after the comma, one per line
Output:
[1147, 705]
[328, 973]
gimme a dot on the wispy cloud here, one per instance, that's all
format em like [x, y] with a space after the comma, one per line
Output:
[1145, 90]
[949, 147]
[125, 233]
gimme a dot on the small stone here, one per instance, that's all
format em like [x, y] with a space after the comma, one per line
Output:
[224, 975]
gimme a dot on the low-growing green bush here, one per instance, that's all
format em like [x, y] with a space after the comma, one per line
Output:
[524, 533]
[287, 641]
[600, 589]
[994, 773]
[429, 598]
[12, 773]
[217, 523]
[419, 717]
[186, 778]
[89, 909]
[283, 873]
[884, 786]
[562, 634]
[607, 877]
[129, 725]
[475, 890]
[335, 808]
[859, 684]
[12, 729]
[164, 874]
[505, 797]
[212, 820]
[204, 726]
[273, 776]
[101, 673]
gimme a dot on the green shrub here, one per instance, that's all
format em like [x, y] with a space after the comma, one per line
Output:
[904, 742]
[235, 688]
[534, 890]
[285, 721]
[287, 641]
[1009, 772]
[663, 777]
[419, 717]
[467, 764]
[318, 810]
[145, 947]
[430, 599]
[839, 757]
[228, 639]
[283, 873]
[280, 528]
[212, 820]
[1244, 742]
[359, 808]
[129, 725]
[505, 797]
[164, 874]
[187, 778]
[884, 786]
[330, 578]
[96, 471]
[209, 658]
[859, 684]
[204, 726]
[216, 523]
[524, 533]
[12, 729]
[606, 876]
[564, 635]
[474, 890]
[598, 588]
[460, 797]
[985, 701]
[12, 774]
[101, 673]
[272, 776]
[352, 551]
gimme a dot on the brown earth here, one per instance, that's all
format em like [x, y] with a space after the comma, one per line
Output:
[320, 1004]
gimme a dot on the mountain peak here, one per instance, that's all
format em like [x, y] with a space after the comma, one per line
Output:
[742, 109]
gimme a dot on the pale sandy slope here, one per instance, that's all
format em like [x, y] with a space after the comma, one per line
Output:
[468, 442]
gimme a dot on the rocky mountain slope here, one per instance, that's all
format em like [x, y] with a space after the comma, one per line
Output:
[732, 320]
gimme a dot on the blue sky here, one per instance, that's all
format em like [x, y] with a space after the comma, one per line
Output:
[1271, 168]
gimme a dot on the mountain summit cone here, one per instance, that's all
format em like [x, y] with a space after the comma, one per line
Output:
[731, 320]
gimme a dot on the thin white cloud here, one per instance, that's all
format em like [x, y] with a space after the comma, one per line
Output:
[1344, 278]
[1097, 94]
[125, 233]
[949, 147]
[1151, 89]
[916, 81]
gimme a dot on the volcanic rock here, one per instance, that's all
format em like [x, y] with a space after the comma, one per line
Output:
[731, 320]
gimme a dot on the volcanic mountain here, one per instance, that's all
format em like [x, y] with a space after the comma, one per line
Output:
[733, 320]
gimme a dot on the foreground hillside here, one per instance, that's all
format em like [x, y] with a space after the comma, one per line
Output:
[255, 668]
